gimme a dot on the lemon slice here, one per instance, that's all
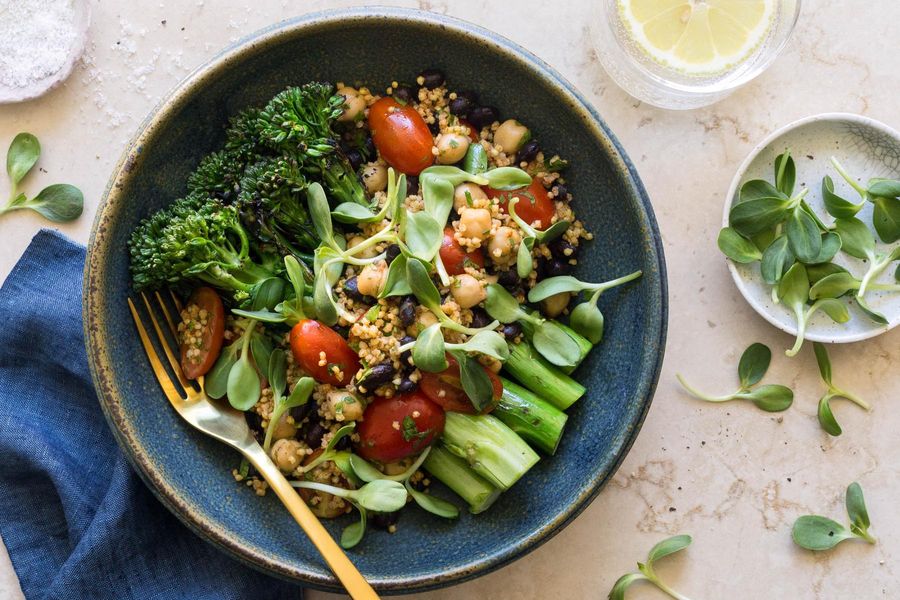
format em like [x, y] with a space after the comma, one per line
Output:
[698, 37]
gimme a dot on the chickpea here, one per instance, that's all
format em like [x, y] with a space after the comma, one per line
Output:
[475, 223]
[354, 104]
[371, 280]
[344, 405]
[356, 240]
[400, 466]
[285, 428]
[511, 136]
[375, 177]
[286, 454]
[424, 318]
[451, 147]
[467, 291]
[503, 245]
[555, 304]
[461, 201]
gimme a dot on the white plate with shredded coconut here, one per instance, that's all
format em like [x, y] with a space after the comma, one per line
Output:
[40, 40]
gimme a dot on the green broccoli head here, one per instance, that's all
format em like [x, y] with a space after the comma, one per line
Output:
[299, 120]
[194, 239]
[273, 208]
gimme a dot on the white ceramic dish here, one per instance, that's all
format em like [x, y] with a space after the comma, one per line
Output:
[866, 148]
[81, 23]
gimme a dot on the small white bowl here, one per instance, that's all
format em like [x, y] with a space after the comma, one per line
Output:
[81, 23]
[865, 148]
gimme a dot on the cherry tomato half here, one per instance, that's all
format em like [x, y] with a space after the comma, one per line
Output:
[309, 339]
[445, 388]
[401, 136]
[454, 257]
[394, 428]
[210, 335]
[534, 204]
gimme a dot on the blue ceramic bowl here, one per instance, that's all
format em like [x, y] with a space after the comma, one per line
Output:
[190, 473]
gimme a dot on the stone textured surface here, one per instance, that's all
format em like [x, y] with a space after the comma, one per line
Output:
[730, 475]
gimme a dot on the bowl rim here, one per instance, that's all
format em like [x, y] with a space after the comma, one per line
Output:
[742, 286]
[94, 299]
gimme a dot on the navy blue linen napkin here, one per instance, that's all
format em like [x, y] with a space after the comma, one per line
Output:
[75, 518]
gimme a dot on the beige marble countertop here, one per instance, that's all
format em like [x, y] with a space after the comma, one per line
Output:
[732, 476]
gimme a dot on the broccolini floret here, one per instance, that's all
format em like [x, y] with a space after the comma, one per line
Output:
[297, 123]
[272, 206]
[196, 239]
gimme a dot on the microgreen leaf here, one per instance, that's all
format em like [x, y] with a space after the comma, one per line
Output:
[837, 206]
[423, 235]
[501, 305]
[524, 261]
[886, 218]
[759, 188]
[814, 532]
[752, 216]
[382, 495]
[352, 212]
[475, 160]
[887, 188]
[507, 178]
[826, 417]
[770, 397]
[354, 532]
[753, 364]
[661, 550]
[823, 362]
[824, 412]
[422, 286]
[277, 372]
[429, 353]
[737, 247]
[856, 239]
[803, 236]
[820, 271]
[489, 343]
[243, 387]
[874, 315]
[557, 285]
[267, 294]
[831, 244]
[363, 469]
[588, 320]
[434, 505]
[215, 384]
[475, 381]
[785, 173]
[23, 153]
[856, 508]
[776, 260]
[266, 316]
[320, 213]
[834, 286]
[60, 203]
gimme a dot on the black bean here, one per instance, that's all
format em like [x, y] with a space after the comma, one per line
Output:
[301, 412]
[433, 78]
[561, 191]
[404, 94]
[412, 185]
[314, 434]
[480, 318]
[392, 252]
[470, 95]
[406, 355]
[483, 116]
[553, 267]
[254, 421]
[377, 376]
[528, 152]
[435, 127]
[342, 330]
[343, 443]
[511, 330]
[562, 249]
[509, 279]
[369, 148]
[408, 311]
[355, 158]
[351, 288]
[460, 106]
[407, 385]
[383, 521]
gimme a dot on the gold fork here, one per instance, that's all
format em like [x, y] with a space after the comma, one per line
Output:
[228, 425]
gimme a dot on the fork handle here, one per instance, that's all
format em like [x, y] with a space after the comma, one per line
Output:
[352, 580]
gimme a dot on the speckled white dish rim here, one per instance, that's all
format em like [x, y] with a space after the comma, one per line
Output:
[866, 148]
[44, 85]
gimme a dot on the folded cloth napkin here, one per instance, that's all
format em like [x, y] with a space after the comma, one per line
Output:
[75, 518]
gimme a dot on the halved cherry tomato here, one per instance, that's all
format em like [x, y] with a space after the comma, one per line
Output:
[454, 257]
[534, 204]
[445, 388]
[401, 136]
[327, 508]
[474, 134]
[394, 428]
[211, 334]
[309, 339]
